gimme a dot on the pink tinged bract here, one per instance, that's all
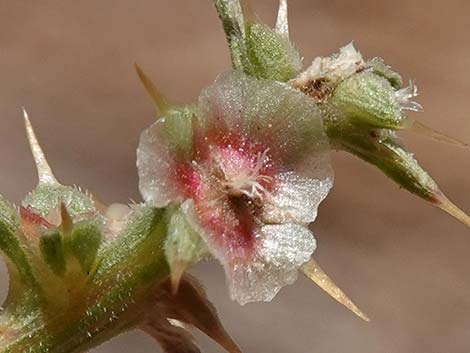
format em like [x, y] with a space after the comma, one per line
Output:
[257, 170]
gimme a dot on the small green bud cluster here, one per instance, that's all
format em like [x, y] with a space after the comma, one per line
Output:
[363, 103]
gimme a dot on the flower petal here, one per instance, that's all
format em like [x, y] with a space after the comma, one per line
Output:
[334, 68]
[280, 251]
[404, 96]
[267, 112]
[154, 164]
[295, 198]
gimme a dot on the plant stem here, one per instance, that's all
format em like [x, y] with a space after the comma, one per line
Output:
[117, 297]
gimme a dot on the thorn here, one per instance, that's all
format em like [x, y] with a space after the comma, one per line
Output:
[248, 12]
[422, 129]
[313, 271]
[177, 271]
[449, 207]
[282, 23]
[160, 102]
[66, 220]
[44, 170]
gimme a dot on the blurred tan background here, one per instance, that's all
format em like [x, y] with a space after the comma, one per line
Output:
[403, 262]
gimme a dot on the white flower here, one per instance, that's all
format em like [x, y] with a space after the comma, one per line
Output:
[256, 171]
[404, 96]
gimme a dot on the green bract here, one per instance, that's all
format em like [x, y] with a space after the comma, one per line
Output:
[47, 195]
[271, 54]
[380, 68]
[257, 49]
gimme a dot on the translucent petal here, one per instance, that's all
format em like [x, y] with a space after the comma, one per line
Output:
[295, 199]
[405, 95]
[334, 68]
[154, 164]
[267, 112]
[280, 251]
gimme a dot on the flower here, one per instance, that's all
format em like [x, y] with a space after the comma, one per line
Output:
[404, 95]
[253, 161]
[334, 68]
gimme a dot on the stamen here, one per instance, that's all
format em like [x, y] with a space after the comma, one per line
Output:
[248, 182]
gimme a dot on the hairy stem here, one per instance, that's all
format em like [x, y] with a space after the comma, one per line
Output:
[117, 299]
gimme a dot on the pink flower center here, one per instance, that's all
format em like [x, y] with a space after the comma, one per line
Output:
[228, 183]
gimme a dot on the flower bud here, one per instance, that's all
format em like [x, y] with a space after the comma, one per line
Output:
[369, 100]
[363, 104]
[366, 94]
